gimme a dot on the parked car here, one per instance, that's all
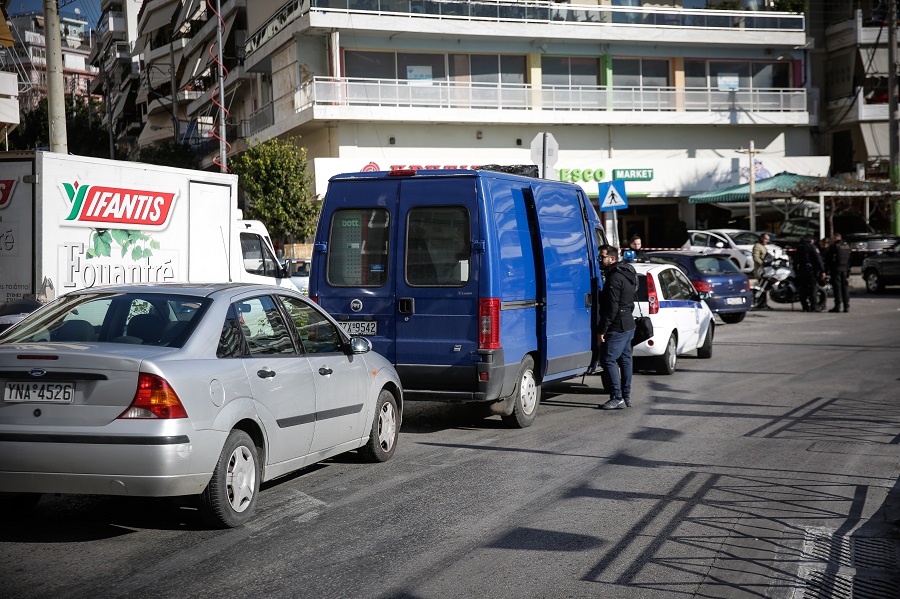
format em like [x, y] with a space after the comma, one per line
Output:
[185, 389]
[882, 269]
[722, 286]
[862, 238]
[682, 322]
[298, 270]
[737, 244]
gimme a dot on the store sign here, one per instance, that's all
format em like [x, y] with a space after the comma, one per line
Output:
[633, 174]
[579, 175]
[728, 82]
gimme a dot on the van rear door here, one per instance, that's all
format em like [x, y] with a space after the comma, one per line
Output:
[436, 283]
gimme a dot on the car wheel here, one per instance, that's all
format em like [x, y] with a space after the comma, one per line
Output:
[732, 317]
[385, 429]
[666, 363]
[873, 282]
[528, 396]
[14, 504]
[705, 350]
[230, 497]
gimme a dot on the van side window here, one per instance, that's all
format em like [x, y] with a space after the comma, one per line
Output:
[358, 248]
[258, 260]
[438, 248]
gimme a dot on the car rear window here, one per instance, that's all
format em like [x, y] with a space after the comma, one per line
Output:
[714, 265]
[163, 320]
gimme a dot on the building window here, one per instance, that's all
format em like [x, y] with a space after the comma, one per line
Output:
[640, 72]
[748, 74]
[570, 71]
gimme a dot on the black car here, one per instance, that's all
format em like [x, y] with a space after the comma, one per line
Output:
[725, 289]
[861, 237]
[882, 269]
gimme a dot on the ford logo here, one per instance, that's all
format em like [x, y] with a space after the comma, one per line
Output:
[37, 372]
[356, 305]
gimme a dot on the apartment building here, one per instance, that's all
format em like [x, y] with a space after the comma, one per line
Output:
[664, 96]
[28, 56]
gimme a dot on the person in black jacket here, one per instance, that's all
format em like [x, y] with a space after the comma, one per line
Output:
[837, 261]
[635, 244]
[616, 326]
[810, 270]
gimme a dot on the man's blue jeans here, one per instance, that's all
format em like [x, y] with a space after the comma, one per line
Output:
[616, 354]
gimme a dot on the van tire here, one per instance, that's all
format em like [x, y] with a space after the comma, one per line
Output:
[527, 397]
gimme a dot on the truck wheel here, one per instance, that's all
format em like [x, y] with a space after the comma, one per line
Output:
[528, 396]
[705, 350]
[385, 429]
[665, 364]
[230, 497]
[873, 282]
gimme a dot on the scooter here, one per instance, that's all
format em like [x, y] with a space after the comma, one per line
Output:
[778, 282]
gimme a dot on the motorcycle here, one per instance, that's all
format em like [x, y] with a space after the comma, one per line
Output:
[778, 282]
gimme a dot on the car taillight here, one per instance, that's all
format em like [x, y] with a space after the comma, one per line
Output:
[489, 323]
[651, 295]
[154, 398]
[702, 286]
[747, 285]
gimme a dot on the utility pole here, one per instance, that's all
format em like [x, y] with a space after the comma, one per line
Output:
[223, 150]
[56, 93]
[751, 152]
[174, 87]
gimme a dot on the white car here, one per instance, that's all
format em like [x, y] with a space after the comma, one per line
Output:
[737, 244]
[682, 322]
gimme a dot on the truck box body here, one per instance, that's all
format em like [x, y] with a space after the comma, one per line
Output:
[456, 276]
[70, 222]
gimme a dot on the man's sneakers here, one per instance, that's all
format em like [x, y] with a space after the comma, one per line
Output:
[616, 403]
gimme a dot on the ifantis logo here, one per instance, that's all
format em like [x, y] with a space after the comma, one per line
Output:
[102, 207]
[7, 186]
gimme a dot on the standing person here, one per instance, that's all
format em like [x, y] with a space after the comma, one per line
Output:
[759, 253]
[616, 326]
[635, 244]
[837, 259]
[810, 270]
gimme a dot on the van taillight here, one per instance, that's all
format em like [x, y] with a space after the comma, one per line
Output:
[154, 398]
[652, 300]
[404, 172]
[489, 323]
[314, 299]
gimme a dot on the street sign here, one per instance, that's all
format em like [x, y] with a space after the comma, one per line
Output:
[612, 196]
[544, 152]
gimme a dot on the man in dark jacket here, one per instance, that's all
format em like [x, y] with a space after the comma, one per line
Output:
[616, 326]
[810, 270]
[837, 261]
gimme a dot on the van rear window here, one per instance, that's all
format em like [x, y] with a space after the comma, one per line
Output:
[437, 246]
[358, 248]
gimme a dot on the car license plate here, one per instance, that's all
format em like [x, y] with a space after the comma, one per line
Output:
[360, 327]
[731, 301]
[39, 392]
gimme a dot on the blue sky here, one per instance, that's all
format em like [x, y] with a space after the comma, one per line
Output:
[90, 9]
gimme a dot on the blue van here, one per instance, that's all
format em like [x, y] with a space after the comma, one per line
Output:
[477, 285]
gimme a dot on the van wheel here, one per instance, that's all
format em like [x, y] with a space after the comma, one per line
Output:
[665, 364]
[528, 396]
[705, 350]
[230, 497]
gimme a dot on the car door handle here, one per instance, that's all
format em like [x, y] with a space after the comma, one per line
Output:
[265, 373]
[325, 371]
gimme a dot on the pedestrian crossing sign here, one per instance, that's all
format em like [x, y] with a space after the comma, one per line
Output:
[612, 196]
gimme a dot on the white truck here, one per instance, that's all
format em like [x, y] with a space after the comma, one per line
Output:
[71, 222]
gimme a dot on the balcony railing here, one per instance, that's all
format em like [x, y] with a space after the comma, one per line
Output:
[534, 11]
[331, 91]
[262, 118]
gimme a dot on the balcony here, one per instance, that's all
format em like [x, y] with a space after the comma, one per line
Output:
[539, 13]
[111, 22]
[857, 109]
[443, 101]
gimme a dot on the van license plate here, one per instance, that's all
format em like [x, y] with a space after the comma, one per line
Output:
[39, 392]
[360, 327]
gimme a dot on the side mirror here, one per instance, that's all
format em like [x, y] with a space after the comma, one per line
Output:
[360, 345]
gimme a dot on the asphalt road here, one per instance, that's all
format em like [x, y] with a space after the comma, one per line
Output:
[770, 470]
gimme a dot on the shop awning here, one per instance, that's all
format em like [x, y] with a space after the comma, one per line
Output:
[160, 17]
[877, 140]
[781, 185]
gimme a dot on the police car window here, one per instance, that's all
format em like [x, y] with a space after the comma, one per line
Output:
[358, 248]
[437, 246]
[671, 289]
[687, 289]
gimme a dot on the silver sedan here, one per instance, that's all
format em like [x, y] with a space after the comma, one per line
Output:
[172, 390]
